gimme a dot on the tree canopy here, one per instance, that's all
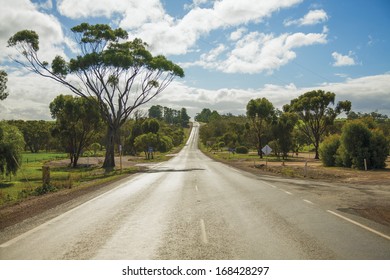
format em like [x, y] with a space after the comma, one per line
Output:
[121, 75]
[316, 114]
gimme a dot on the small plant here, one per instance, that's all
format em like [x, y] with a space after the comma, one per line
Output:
[44, 189]
[242, 150]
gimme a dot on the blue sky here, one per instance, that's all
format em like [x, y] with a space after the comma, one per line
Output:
[231, 51]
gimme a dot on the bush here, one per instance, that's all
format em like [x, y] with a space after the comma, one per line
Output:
[356, 141]
[242, 150]
[44, 190]
[379, 149]
[328, 150]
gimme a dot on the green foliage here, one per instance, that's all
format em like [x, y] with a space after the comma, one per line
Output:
[242, 150]
[36, 133]
[316, 115]
[207, 116]
[379, 149]
[29, 38]
[3, 85]
[44, 189]
[328, 150]
[261, 114]
[356, 144]
[355, 139]
[11, 147]
[109, 68]
[78, 122]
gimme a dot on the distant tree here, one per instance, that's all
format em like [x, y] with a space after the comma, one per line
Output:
[203, 116]
[184, 117]
[11, 147]
[156, 111]
[261, 114]
[78, 122]
[282, 131]
[315, 114]
[150, 125]
[3, 85]
[36, 134]
[121, 75]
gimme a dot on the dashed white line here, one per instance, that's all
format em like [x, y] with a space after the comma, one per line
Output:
[288, 192]
[203, 232]
[308, 201]
[360, 225]
[196, 188]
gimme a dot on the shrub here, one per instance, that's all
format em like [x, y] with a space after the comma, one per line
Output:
[379, 149]
[44, 189]
[328, 150]
[242, 150]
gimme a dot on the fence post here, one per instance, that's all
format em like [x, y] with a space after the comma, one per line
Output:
[45, 175]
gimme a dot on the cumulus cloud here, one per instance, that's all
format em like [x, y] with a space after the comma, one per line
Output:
[148, 19]
[311, 18]
[367, 94]
[343, 60]
[18, 15]
[257, 52]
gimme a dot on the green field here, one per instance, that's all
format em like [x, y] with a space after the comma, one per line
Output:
[28, 180]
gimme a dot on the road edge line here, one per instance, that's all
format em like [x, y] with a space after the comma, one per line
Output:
[360, 225]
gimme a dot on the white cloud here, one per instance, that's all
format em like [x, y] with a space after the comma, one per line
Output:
[343, 60]
[257, 52]
[18, 15]
[148, 19]
[234, 36]
[311, 18]
[367, 94]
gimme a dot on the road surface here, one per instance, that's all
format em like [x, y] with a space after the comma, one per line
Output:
[192, 207]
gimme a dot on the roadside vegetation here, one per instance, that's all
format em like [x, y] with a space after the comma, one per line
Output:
[72, 147]
[306, 130]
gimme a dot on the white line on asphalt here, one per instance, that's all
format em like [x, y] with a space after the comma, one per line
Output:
[196, 188]
[308, 201]
[288, 192]
[269, 185]
[360, 225]
[203, 231]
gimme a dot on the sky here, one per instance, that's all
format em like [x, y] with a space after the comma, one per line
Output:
[231, 51]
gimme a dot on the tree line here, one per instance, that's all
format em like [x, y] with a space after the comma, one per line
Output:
[310, 119]
[78, 128]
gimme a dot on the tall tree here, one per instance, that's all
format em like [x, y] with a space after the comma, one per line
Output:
[316, 114]
[283, 129]
[3, 85]
[11, 146]
[261, 113]
[121, 75]
[78, 121]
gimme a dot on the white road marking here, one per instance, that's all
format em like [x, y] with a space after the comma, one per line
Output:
[269, 185]
[203, 231]
[360, 225]
[288, 192]
[308, 201]
[196, 188]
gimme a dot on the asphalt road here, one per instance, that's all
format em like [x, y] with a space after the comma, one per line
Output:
[192, 207]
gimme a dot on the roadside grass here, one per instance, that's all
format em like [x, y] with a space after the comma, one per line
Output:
[28, 180]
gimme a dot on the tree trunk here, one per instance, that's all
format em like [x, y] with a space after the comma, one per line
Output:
[109, 160]
[316, 147]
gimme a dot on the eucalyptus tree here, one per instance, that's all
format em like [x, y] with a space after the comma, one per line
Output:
[316, 114]
[261, 114]
[120, 74]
